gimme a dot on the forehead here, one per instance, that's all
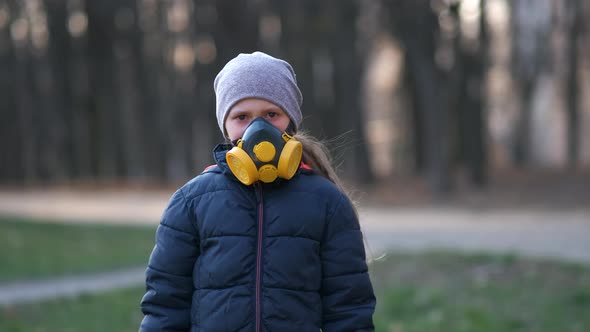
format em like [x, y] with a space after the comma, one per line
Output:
[254, 105]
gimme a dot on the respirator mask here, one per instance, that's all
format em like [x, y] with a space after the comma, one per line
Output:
[264, 153]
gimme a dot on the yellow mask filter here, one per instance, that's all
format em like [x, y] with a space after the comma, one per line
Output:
[264, 153]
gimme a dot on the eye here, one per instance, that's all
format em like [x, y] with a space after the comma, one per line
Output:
[241, 117]
[272, 114]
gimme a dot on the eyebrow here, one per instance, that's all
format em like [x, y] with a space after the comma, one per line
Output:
[274, 109]
[268, 109]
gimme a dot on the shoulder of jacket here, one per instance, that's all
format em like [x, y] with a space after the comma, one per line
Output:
[318, 187]
[211, 179]
[211, 168]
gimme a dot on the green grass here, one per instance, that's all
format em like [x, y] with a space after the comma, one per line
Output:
[427, 292]
[478, 293]
[116, 311]
[32, 250]
[415, 293]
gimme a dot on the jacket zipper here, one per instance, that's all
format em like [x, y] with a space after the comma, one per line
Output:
[259, 253]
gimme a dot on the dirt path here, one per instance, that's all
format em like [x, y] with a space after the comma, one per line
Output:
[561, 234]
[35, 291]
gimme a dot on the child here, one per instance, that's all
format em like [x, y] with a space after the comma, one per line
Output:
[262, 241]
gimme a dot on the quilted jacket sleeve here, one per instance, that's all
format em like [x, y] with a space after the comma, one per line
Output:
[169, 281]
[347, 294]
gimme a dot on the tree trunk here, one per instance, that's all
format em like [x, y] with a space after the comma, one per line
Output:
[79, 91]
[105, 108]
[128, 91]
[574, 15]
[57, 104]
[417, 27]
[25, 94]
[151, 63]
[11, 167]
[473, 52]
[348, 70]
[530, 24]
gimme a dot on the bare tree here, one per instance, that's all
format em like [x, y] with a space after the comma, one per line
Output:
[530, 24]
[417, 27]
[574, 18]
[11, 146]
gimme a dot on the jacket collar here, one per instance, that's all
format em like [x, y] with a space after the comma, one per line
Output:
[219, 156]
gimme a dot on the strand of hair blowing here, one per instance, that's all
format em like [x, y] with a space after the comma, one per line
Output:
[317, 156]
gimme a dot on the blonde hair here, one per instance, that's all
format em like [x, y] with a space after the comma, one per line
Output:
[318, 157]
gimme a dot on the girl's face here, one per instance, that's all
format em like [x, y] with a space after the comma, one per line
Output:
[246, 110]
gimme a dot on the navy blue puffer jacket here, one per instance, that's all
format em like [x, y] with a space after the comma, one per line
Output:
[278, 257]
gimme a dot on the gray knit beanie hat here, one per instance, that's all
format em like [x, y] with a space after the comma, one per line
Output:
[257, 75]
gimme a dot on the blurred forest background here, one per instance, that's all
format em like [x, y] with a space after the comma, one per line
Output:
[121, 91]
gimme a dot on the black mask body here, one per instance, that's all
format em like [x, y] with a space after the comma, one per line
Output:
[264, 153]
